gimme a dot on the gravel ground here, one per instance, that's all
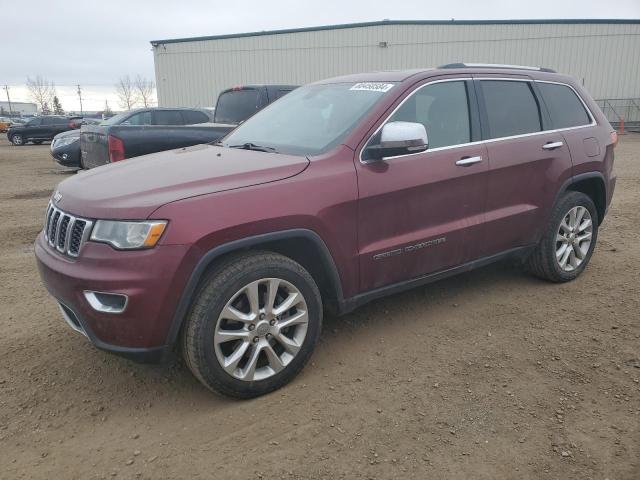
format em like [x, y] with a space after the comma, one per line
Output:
[488, 375]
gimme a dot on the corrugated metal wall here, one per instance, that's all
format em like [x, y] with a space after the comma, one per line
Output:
[605, 57]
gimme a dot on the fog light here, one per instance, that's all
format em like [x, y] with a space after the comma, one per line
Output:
[106, 302]
[65, 156]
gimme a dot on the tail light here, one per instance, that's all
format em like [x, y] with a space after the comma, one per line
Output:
[614, 138]
[116, 149]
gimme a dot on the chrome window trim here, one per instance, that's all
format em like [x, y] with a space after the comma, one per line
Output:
[458, 79]
[588, 110]
[479, 142]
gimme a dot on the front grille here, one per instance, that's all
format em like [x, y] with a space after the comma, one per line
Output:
[65, 232]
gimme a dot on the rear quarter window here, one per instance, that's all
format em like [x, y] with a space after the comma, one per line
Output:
[511, 108]
[235, 106]
[565, 108]
[168, 117]
[192, 117]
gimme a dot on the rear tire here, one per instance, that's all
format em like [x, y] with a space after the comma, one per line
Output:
[253, 325]
[18, 140]
[568, 242]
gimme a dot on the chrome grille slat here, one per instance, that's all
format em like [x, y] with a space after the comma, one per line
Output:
[64, 232]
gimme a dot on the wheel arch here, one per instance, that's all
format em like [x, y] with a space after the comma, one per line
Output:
[591, 184]
[302, 245]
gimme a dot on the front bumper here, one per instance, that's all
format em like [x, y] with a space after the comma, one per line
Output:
[152, 280]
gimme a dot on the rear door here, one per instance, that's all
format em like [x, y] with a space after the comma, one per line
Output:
[527, 164]
[579, 129]
[34, 128]
[423, 212]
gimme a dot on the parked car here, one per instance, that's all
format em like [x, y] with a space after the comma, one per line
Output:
[154, 130]
[40, 129]
[65, 147]
[5, 123]
[343, 191]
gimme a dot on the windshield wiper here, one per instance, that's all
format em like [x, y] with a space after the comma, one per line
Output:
[253, 146]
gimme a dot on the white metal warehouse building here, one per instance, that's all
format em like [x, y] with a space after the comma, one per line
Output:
[603, 54]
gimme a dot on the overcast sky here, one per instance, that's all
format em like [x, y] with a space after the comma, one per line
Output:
[94, 43]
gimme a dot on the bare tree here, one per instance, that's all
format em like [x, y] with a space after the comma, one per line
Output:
[41, 92]
[126, 91]
[145, 89]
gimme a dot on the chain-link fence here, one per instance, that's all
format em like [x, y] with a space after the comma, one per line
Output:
[617, 109]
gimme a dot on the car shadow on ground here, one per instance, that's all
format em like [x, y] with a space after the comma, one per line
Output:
[171, 380]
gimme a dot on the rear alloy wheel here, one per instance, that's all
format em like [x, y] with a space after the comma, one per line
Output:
[17, 140]
[574, 238]
[254, 324]
[567, 245]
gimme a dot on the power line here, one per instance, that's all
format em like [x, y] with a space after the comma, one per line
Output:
[80, 96]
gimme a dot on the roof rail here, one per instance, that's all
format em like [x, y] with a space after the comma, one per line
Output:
[495, 65]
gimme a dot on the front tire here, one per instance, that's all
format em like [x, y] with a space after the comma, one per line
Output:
[569, 240]
[253, 325]
[17, 140]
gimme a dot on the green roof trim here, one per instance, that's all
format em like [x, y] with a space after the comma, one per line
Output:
[401, 22]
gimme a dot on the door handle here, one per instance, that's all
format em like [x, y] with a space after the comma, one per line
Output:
[468, 161]
[552, 145]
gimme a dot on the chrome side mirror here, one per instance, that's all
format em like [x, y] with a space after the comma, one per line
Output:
[399, 138]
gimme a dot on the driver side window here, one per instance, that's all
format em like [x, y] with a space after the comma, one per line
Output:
[443, 109]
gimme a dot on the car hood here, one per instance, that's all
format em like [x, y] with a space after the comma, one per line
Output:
[134, 188]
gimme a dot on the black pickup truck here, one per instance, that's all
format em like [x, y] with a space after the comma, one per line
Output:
[136, 133]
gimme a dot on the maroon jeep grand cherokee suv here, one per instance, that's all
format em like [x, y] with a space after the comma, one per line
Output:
[343, 191]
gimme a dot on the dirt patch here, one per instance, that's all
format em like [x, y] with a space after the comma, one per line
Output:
[491, 374]
[46, 193]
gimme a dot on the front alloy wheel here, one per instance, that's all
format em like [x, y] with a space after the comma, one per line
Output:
[261, 329]
[17, 140]
[253, 324]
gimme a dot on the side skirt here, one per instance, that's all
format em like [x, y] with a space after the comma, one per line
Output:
[350, 304]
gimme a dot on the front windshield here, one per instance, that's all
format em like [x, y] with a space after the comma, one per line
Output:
[311, 119]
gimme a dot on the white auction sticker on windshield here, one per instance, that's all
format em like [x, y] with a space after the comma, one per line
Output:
[373, 87]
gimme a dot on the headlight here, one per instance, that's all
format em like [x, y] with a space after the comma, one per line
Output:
[61, 142]
[128, 235]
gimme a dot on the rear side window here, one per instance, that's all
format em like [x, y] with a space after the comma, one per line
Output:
[142, 118]
[51, 121]
[443, 109]
[168, 117]
[512, 109]
[564, 106]
[192, 117]
[235, 106]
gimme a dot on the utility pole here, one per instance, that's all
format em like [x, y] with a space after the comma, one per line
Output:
[80, 96]
[6, 89]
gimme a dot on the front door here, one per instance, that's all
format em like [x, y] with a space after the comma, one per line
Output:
[423, 212]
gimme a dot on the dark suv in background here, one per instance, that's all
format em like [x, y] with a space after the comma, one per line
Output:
[40, 129]
[341, 192]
